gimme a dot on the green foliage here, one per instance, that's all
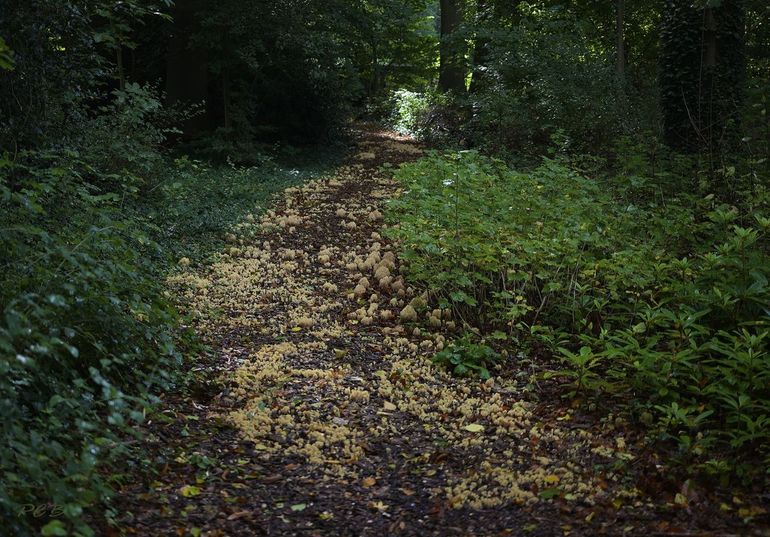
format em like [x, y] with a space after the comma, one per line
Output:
[115, 21]
[197, 203]
[548, 67]
[6, 56]
[408, 110]
[582, 367]
[60, 64]
[124, 142]
[480, 236]
[292, 72]
[663, 293]
[702, 90]
[393, 43]
[466, 358]
[431, 116]
[85, 336]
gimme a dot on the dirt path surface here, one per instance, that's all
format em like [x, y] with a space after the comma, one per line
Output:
[329, 418]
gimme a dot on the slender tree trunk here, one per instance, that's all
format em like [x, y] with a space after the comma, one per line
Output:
[451, 70]
[377, 81]
[710, 39]
[121, 69]
[481, 46]
[226, 97]
[620, 62]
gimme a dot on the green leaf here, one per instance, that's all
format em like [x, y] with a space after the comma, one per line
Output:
[54, 528]
[548, 494]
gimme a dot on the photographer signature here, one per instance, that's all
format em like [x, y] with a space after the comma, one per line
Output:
[41, 510]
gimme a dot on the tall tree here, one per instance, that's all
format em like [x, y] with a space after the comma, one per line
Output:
[452, 67]
[702, 72]
[620, 49]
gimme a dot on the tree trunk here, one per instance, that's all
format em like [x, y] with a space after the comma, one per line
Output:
[226, 98]
[480, 46]
[451, 69]
[121, 69]
[620, 62]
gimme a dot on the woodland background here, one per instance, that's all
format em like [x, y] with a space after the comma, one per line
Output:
[628, 249]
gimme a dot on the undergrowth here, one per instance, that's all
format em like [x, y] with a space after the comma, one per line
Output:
[648, 289]
[88, 337]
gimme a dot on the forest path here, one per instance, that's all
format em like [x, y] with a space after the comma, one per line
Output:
[333, 420]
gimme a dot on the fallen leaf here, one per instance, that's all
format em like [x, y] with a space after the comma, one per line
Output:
[378, 506]
[390, 407]
[188, 491]
[474, 428]
[552, 479]
[239, 514]
[368, 482]
[298, 507]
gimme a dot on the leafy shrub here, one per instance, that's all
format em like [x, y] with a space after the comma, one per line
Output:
[641, 290]
[85, 337]
[432, 117]
[124, 142]
[496, 245]
[465, 358]
[546, 74]
[410, 111]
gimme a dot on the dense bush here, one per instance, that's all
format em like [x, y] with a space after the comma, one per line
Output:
[125, 140]
[536, 88]
[410, 111]
[643, 291]
[85, 336]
